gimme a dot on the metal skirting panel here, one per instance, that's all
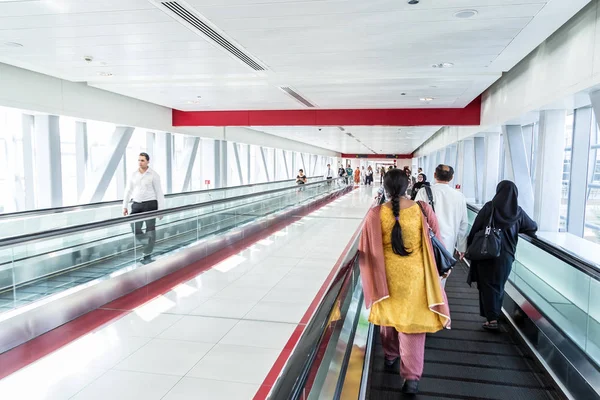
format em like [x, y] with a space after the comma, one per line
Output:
[26, 323]
[467, 362]
[571, 368]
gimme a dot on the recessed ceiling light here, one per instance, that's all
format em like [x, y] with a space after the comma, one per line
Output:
[12, 44]
[193, 102]
[106, 74]
[402, 94]
[426, 99]
[198, 97]
[413, 1]
[463, 14]
[443, 65]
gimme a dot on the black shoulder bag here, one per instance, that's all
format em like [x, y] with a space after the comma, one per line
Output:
[430, 196]
[487, 243]
[443, 258]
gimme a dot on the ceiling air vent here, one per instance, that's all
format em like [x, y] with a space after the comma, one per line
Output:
[190, 18]
[297, 96]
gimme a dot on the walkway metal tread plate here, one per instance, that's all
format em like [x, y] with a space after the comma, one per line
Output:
[467, 362]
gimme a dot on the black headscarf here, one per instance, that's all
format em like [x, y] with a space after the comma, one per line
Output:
[506, 204]
[417, 186]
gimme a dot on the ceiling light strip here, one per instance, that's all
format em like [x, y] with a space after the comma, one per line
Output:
[188, 17]
[291, 92]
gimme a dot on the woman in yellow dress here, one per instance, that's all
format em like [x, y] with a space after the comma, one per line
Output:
[400, 279]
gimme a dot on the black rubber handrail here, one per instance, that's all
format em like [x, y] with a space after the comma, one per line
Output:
[59, 232]
[56, 210]
[562, 254]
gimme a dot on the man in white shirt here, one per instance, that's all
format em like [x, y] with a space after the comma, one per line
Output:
[450, 208]
[145, 192]
[329, 174]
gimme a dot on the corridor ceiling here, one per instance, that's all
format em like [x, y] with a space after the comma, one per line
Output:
[283, 54]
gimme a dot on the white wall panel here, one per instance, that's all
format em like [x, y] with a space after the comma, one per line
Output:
[27, 90]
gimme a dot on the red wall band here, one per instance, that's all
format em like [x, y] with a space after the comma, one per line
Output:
[470, 115]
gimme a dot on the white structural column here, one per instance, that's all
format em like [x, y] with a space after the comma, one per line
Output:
[121, 176]
[28, 131]
[238, 164]
[189, 158]
[459, 167]
[150, 143]
[221, 164]
[48, 161]
[249, 170]
[443, 156]
[168, 138]
[81, 155]
[285, 163]
[515, 146]
[479, 143]
[468, 176]
[579, 168]
[491, 170]
[264, 159]
[451, 156]
[302, 162]
[97, 185]
[161, 158]
[549, 169]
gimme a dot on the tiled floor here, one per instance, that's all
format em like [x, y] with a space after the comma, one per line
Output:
[213, 337]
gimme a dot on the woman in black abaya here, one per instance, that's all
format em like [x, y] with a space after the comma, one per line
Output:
[491, 275]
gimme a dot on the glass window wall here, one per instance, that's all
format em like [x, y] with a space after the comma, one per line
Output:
[564, 201]
[18, 155]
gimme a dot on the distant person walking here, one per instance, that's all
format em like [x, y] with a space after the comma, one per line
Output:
[450, 206]
[350, 173]
[301, 178]
[144, 190]
[357, 176]
[421, 181]
[491, 275]
[369, 178]
[329, 174]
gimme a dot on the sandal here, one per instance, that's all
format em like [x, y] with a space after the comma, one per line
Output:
[490, 326]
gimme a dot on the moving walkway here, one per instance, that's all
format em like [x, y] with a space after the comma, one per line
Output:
[547, 347]
[48, 278]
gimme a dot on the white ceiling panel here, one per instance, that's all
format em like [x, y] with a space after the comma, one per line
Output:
[364, 10]
[81, 19]
[27, 9]
[336, 53]
[357, 139]
[44, 34]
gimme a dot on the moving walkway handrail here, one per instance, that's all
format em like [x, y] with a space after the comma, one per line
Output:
[296, 370]
[561, 253]
[54, 233]
[79, 207]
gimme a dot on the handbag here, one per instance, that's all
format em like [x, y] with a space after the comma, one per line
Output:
[487, 243]
[443, 259]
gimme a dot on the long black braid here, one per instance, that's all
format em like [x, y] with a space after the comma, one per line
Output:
[396, 183]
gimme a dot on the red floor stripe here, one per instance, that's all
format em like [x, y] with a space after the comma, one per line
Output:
[25, 354]
[275, 371]
[31, 351]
